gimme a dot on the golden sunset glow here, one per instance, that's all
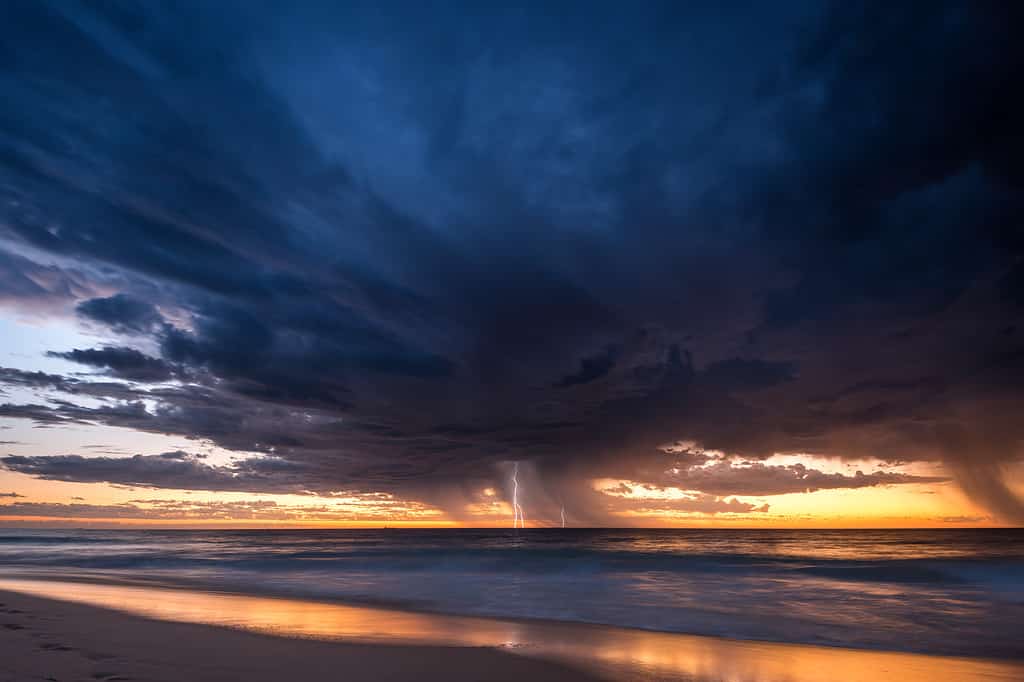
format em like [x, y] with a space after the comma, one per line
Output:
[614, 651]
[882, 506]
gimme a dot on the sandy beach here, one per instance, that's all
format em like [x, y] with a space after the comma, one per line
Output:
[80, 631]
[47, 640]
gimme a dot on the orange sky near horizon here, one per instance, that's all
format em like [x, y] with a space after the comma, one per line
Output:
[26, 500]
[890, 506]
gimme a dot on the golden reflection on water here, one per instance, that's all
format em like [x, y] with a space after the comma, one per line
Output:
[614, 652]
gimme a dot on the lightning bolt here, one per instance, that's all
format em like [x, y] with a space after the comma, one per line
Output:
[518, 518]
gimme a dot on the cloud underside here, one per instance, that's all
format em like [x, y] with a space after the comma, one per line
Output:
[183, 471]
[197, 511]
[394, 253]
[706, 490]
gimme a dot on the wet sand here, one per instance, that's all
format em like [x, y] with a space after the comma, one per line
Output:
[81, 631]
[46, 640]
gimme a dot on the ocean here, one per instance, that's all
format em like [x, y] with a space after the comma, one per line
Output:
[954, 592]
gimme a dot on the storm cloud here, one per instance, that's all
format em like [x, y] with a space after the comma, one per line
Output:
[175, 469]
[121, 313]
[124, 363]
[195, 510]
[394, 250]
[760, 479]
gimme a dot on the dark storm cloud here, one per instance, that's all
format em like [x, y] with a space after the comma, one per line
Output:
[177, 470]
[121, 312]
[193, 510]
[20, 377]
[42, 415]
[180, 511]
[400, 247]
[591, 368]
[759, 479]
[124, 363]
[738, 373]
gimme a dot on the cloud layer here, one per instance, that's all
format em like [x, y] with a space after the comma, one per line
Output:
[395, 249]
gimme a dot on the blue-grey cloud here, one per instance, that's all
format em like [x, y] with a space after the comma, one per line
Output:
[176, 469]
[124, 363]
[398, 247]
[121, 312]
[591, 368]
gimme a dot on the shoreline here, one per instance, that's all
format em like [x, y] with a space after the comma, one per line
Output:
[551, 650]
[386, 605]
[53, 640]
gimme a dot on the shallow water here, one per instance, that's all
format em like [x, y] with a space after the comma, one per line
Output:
[958, 592]
[612, 653]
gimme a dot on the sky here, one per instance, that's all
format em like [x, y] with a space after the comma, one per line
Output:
[318, 263]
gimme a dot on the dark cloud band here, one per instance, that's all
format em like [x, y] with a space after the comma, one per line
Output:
[396, 254]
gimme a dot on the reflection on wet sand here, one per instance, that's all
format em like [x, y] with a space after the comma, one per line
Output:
[614, 652]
